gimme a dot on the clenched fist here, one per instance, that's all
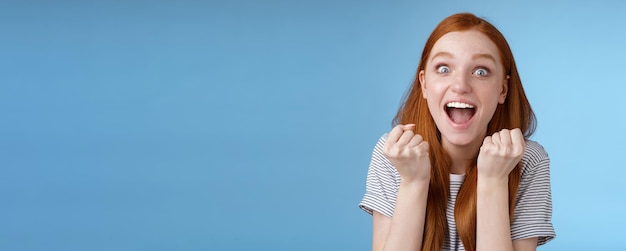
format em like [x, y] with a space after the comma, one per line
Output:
[500, 153]
[408, 152]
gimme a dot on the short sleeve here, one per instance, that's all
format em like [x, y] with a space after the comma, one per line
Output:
[533, 208]
[383, 182]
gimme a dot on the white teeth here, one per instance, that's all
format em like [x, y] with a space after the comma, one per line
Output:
[459, 105]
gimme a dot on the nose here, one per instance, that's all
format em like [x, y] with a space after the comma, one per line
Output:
[461, 83]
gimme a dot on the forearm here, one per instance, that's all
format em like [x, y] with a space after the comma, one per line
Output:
[407, 223]
[493, 228]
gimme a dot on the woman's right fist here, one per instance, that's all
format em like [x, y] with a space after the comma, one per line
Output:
[408, 152]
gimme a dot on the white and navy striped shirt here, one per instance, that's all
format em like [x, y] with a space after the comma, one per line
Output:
[533, 208]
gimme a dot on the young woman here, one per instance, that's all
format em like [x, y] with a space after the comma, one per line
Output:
[457, 171]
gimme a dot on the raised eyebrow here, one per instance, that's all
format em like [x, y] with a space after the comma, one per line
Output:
[442, 54]
[485, 56]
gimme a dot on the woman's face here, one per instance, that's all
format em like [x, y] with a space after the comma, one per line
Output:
[463, 83]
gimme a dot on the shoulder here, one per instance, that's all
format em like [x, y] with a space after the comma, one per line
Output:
[378, 148]
[382, 140]
[534, 152]
[535, 156]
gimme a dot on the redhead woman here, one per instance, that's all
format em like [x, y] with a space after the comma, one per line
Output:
[458, 171]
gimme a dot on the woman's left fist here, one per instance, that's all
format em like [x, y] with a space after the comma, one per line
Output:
[500, 153]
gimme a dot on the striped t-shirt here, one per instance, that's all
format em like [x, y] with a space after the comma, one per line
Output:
[533, 208]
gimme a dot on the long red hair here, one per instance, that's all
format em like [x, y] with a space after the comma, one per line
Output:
[514, 113]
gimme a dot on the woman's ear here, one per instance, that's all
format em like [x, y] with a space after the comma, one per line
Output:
[505, 90]
[421, 78]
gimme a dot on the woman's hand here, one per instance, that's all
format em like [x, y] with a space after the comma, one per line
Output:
[408, 152]
[500, 153]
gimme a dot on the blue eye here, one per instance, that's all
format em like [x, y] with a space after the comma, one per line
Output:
[443, 69]
[481, 72]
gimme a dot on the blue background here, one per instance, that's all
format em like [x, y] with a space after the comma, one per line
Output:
[248, 125]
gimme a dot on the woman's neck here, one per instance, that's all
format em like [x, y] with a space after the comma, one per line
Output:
[461, 156]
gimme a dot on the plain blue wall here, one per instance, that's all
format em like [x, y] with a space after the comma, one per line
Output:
[248, 125]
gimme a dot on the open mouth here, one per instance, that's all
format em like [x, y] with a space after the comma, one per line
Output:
[459, 112]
